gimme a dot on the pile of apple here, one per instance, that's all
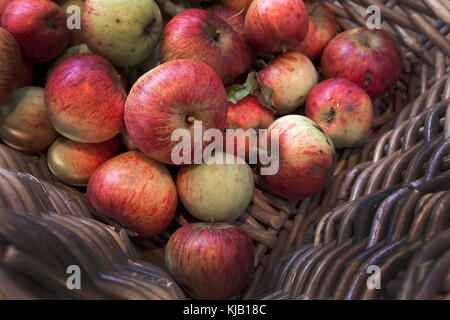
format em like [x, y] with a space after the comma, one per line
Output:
[129, 79]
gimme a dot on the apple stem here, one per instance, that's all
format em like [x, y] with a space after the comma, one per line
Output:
[190, 119]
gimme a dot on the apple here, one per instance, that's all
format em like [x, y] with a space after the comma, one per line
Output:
[25, 75]
[74, 162]
[197, 34]
[39, 27]
[75, 35]
[322, 28]
[136, 191]
[342, 109]
[10, 61]
[135, 72]
[85, 99]
[286, 82]
[210, 261]
[276, 26]
[216, 192]
[24, 124]
[235, 19]
[246, 114]
[237, 4]
[174, 96]
[306, 158]
[370, 58]
[125, 32]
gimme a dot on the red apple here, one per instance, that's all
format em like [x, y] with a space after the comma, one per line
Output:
[276, 26]
[235, 19]
[210, 261]
[286, 82]
[322, 28]
[370, 58]
[85, 99]
[237, 4]
[24, 124]
[342, 109]
[174, 96]
[9, 64]
[74, 162]
[306, 158]
[39, 27]
[136, 191]
[246, 114]
[25, 75]
[197, 34]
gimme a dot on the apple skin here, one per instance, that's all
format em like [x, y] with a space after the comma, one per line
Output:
[370, 58]
[197, 34]
[322, 28]
[85, 99]
[154, 109]
[39, 27]
[235, 19]
[276, 26]
[126, 141]
[3, 5]
[10, 62]
[216, 192]
[306, 155]
[69, 52]
[136, 191]
[26, 75]
[24, 124]
[75, 35]
[74, 162]
[124, 39]
[210, 261]
[246, 114]
[342, 109]
[286, 82]
[237, 4]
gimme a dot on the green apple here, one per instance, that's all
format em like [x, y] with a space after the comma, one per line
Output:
[125, 32]
[216, 192]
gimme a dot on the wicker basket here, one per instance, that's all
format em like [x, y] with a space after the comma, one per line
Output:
[388, 204]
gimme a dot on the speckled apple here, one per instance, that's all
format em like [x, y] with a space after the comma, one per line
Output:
[24, 124]
[286, 82]
[136, 191]
[200, 35]
[306, 158]
[125, 32]
[276, 26]
[74, 162]
[210, 261]
[216, 192]
[85, 99]
[342, 109]
[154, 109]
[370, 58]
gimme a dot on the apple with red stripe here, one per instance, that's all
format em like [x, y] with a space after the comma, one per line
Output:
[137, 192]
[306, 158]
[372, 59]
[276, 26]
[85, 99]
[210, 261]
[39, 27]
[10, 63]
[342, 109]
